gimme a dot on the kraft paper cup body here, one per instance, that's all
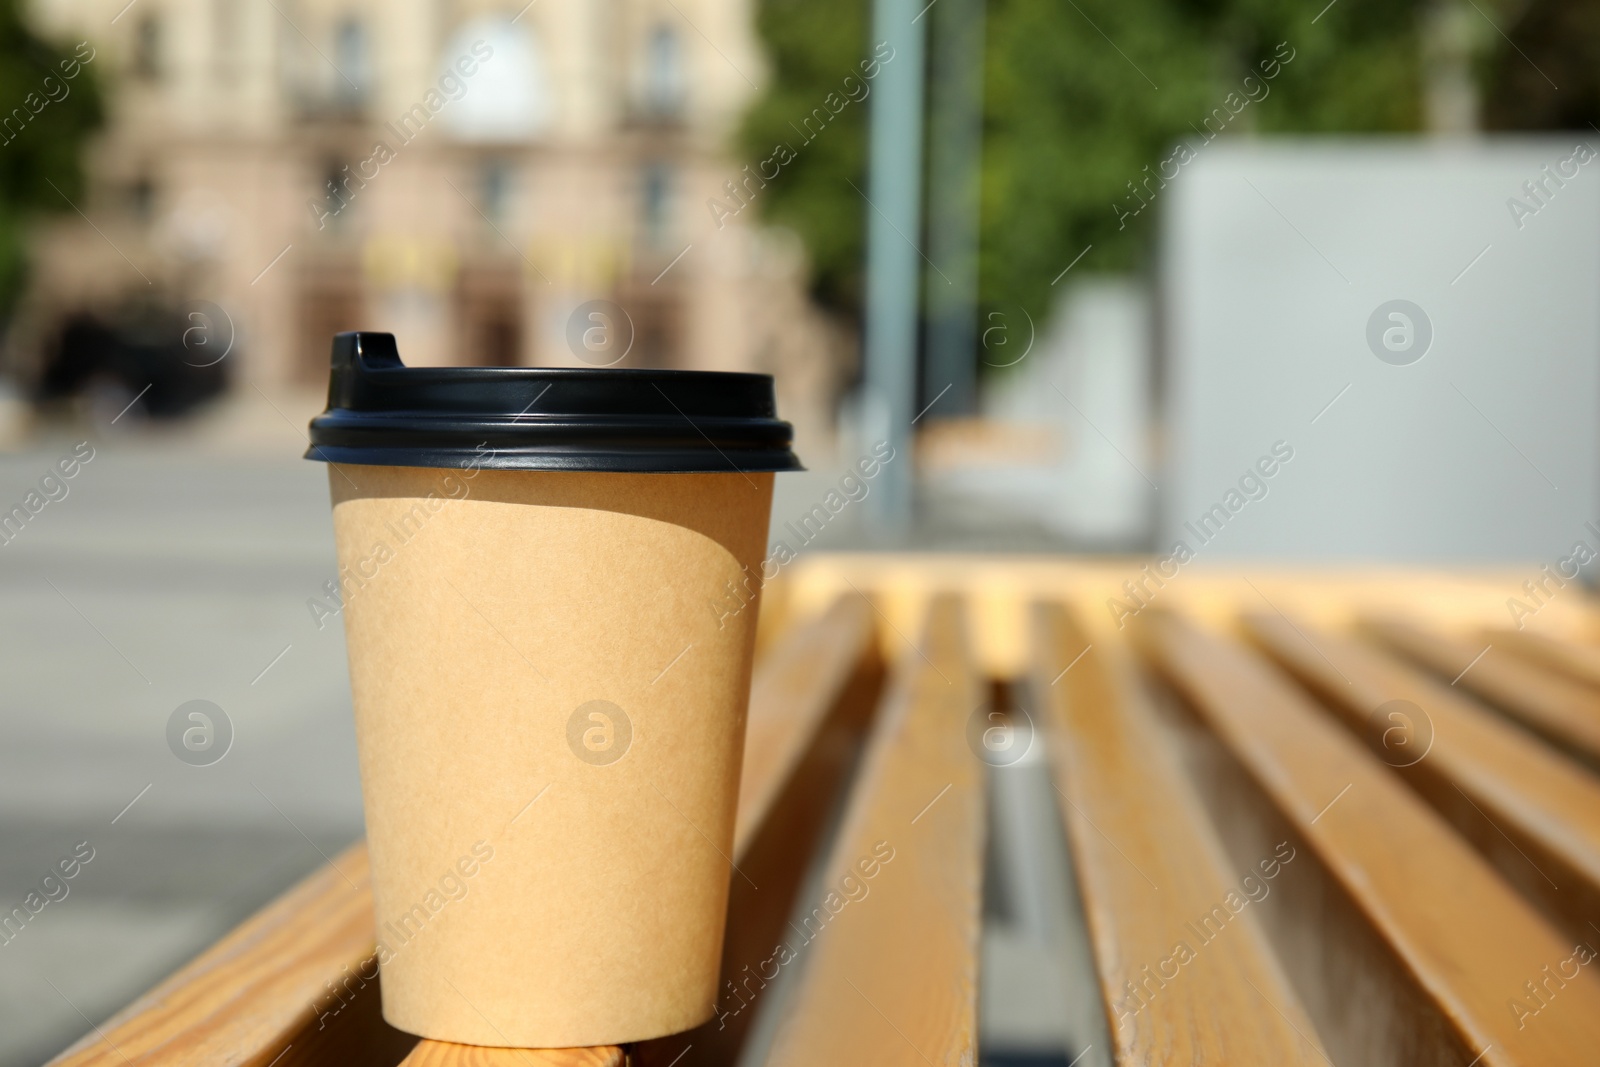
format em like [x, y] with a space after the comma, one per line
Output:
[550, 673]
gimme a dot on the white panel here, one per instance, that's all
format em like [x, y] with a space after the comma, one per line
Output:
[1275, 256]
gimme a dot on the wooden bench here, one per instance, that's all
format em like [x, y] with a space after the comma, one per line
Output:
[1563, 710]
[1447, 943]
[1532, 811]
[1154, 878]
[1261, 879]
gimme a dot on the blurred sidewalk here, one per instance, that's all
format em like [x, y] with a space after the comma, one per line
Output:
[170, 571]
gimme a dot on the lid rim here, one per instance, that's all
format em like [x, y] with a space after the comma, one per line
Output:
[555, 462]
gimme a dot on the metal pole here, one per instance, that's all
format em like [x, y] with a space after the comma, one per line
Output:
[955, 146]
[894, 215]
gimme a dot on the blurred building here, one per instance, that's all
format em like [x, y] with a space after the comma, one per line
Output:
[465, 175]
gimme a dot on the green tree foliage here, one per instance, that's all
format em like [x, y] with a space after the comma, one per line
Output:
[1081, 96]
[1072, 119]
[812, 46]
[40, 146]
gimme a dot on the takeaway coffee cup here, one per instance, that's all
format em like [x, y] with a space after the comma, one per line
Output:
[549, 681]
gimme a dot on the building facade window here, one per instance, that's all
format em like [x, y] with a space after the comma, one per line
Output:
[146, 57]
[141, 199]
[656, 188]
[352, 59]
[225, 39]
[496, 178]
[336, 198]
[664, 83]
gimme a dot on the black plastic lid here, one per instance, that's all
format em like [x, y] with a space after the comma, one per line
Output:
[544, 418]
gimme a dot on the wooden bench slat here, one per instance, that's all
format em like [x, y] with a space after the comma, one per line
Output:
[798, 685]
[1577, 660]
[249, 998]
[1148, 867]
[1533, 811]
[252, 998]
[1465, 937]
[889, 956]
[1563, 711]
[809, 710]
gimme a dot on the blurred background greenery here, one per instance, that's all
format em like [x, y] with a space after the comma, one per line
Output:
[1069, 122]
[41, 164]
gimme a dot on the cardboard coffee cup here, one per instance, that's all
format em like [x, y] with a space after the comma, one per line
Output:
[550, 583]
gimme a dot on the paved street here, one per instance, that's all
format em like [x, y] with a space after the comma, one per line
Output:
[158, 579]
